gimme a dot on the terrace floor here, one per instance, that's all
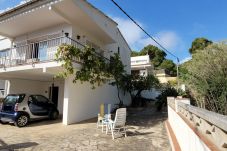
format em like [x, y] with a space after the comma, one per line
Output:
[146, 132]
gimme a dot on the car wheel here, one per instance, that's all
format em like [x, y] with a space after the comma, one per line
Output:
[53, 115]
[21, 121]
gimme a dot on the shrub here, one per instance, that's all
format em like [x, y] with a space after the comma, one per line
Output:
[206, 77]
[167, 91]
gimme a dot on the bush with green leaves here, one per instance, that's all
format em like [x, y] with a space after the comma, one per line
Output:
[167, 91]
[206, 77]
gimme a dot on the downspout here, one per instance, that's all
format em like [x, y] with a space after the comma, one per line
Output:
[10, 55]
[7, 88]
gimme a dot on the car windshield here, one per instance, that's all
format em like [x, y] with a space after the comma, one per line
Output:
[12, 99]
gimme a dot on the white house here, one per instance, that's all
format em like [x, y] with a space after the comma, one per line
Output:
[141, 65]
[5, 45]
[35, 30]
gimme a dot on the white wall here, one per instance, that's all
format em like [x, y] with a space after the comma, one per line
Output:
[186, 137]
[100, 19]
[81, 102]
[140, 60]
[37, 87]
[44, 32]
[2, 84]
[85, 35]
[150, 94]
[27, 86]
[125, 51]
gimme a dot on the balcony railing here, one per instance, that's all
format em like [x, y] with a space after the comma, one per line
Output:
[41, 51]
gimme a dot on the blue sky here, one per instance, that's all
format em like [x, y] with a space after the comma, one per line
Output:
[175, 23]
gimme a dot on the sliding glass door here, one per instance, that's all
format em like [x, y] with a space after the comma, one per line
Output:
[43, 51]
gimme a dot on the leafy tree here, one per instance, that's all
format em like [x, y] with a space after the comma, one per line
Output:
[156, 55]
[116, 70]
[94, 69]
[206, 77]
[169, 65]
[140, 83]
[199, 44]
[135, 53]
[137, 83]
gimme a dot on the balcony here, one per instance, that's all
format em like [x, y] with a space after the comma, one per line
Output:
[40, 51]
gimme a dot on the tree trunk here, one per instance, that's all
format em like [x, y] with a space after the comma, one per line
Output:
[134, 102]
[118, 95]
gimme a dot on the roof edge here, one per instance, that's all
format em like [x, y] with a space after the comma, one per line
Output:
[18, 7]
[102, 13]
[13, 9]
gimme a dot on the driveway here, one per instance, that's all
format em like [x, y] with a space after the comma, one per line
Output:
[146, 132]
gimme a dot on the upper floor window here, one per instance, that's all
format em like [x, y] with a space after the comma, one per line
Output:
[4, 53]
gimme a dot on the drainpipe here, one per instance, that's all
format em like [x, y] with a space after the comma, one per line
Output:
[51, 91]
[10, 55]
[7, 88]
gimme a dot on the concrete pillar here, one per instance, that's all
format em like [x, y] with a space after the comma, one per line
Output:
[66, 102]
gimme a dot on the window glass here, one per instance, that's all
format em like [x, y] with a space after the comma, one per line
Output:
[40, 98]
[12, 99]
[4, 53]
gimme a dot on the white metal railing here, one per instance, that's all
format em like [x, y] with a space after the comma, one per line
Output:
[40, 51]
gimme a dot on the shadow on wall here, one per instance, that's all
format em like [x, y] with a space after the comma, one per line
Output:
[5, 146]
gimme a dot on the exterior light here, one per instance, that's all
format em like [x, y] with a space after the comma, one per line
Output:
[66, 34]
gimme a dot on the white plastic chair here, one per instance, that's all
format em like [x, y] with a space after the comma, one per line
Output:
[118, 125]
[105, 122]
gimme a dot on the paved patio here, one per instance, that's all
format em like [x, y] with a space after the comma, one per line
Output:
[146, 132]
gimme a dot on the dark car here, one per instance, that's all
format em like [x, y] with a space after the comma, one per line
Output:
[21, 108]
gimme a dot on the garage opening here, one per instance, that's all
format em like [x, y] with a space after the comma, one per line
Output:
[53, 91]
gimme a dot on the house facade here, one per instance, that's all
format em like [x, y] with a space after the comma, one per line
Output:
[141, 65]
[36, 29]
[5, 45]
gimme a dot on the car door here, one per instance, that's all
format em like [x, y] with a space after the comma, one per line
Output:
[38, 105]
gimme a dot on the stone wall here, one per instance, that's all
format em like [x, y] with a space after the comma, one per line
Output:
[196, 128]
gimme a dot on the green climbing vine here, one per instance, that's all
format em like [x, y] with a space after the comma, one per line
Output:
[95, 69]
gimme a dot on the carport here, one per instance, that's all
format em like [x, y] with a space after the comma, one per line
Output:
[76, 102]
[36, 79]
